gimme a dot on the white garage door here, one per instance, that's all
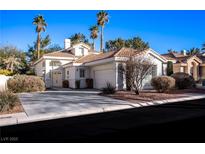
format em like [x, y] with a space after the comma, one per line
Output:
[104, 76]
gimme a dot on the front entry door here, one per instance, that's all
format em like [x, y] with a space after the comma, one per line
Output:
[57, 79]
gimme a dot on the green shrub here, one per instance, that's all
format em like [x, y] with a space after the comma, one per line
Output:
[89, 83]
[77, 84]
[184, 80]
[109, 89]
[5, 72]
[65, 84]
[8, 100]
[163, 83]
[25, 83]
[169, 68]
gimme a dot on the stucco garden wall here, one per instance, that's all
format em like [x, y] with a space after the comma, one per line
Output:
[3, 82]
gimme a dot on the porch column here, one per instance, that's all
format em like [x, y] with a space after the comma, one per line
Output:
[124, 78]
[116, 75]
[195, 72]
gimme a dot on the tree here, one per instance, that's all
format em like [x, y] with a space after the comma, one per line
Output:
[136, 69]
[171, 51]
[13, 59]
[193, 51]
[53, 47]
[102, 19]
[11, 62]
[41, 25]
[113, 45]
[135, 43]
[94, 34]
[78, 37]
[45, 42]
[169, 68]
[203, 47]
[32, 52]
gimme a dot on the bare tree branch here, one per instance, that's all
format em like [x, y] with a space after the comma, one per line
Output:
[136, 69]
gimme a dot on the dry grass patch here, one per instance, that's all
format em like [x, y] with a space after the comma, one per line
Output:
[150, 95]
[9, 103]
[16, 109]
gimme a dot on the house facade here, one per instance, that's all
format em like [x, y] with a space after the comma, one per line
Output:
[191, 64]
[79, 62]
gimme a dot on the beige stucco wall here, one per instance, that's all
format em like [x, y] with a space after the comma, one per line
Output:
[71, 77]
[187, 68]
[146, 83]
[74, 74]
[203, 72]
[77, 50]
[3, 82]
[39, 69]
[176, 68]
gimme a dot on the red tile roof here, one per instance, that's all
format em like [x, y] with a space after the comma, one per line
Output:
[60, 54]
[123, 52]
[94, 57]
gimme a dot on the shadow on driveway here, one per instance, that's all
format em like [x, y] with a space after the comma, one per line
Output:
[176, 122]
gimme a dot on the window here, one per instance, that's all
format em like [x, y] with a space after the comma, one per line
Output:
[82, 73]
[67, 74]
[154, 71]
[181, 69]
[55, 63]
[82, 51]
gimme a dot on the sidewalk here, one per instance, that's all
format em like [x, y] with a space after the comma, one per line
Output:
[20, 118]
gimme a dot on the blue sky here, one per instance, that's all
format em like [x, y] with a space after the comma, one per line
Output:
[162, 29]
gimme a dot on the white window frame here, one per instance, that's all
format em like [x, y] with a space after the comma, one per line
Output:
[81, 51]
[55, 63]
[67, 74]
[154, 71]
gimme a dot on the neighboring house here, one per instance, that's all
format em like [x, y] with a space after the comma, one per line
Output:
[191, 64]
[79, 62]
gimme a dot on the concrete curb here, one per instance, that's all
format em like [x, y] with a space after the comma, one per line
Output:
[20, 118]
[182, 99]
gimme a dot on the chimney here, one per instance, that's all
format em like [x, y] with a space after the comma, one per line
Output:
[184, 52]
[67, 43]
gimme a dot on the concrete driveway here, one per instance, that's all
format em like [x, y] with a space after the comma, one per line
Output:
[69, 102]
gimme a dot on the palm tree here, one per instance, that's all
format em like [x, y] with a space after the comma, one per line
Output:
[94, 34]
[41, 25]
[10, 62]
[193, 51]
[137, 43]
[113, 45]
[203, 47]
[78, 37]
[102, 19]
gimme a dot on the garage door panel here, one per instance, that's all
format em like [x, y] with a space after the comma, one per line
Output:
[104, 76]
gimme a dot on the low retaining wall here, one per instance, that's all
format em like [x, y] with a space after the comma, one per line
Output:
[3, 82]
